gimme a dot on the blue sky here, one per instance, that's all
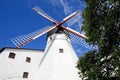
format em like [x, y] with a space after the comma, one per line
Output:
[17, 18]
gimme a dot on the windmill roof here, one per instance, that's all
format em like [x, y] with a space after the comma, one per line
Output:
[56, 30]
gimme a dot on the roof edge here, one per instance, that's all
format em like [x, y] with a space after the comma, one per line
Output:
[2, 49]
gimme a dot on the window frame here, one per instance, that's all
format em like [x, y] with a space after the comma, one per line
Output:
[12, 55]
[61, 50]
[28, 59]
[25, 74]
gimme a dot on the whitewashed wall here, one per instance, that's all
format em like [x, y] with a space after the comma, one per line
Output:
[56, 65]
[12, 69]
[48, 65]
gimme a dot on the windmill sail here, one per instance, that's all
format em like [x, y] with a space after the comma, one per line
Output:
[76, 36]
[80, 41]
[42, 13]
[69, 17]
[22, 40]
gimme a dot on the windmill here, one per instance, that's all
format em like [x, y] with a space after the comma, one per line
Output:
[22, 40]
[59, 60]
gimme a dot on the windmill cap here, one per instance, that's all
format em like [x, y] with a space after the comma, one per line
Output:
[56, 30]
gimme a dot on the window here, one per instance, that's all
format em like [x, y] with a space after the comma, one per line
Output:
[28, 59]
[25, 75]
[60, 50]
[50, 38]
[11, 55]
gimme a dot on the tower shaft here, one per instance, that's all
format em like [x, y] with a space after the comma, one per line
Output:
[59, 61]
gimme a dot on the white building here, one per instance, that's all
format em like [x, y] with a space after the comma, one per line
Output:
[56, 62]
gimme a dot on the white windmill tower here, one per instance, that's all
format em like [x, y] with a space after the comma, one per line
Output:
[59, 59]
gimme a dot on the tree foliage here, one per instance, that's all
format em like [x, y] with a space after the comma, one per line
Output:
[102, 26]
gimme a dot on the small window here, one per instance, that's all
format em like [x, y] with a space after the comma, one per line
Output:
[60, 50]
[25, 75]
[50, 38]
[11, 55]
[28, 59]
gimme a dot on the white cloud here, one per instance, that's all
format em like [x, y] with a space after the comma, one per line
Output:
[67, 8]
[56, 2]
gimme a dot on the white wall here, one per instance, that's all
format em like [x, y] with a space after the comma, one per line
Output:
[12, 69]
[55, 65]
[48, 65]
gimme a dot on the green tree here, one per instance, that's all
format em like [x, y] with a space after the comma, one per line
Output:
[102, 27]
